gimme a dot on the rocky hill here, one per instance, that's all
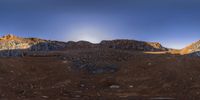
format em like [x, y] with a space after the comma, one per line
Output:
[11, 45]
[133, 45]
[80, 44]
[193, 49]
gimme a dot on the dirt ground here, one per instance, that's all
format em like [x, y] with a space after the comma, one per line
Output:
[99, 74]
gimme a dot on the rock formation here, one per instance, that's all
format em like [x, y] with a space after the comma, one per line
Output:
[193, 49]
[133, 45]
[11, 45]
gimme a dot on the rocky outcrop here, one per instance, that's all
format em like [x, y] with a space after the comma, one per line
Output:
[193, 49]
[11, 45]
[133, 45]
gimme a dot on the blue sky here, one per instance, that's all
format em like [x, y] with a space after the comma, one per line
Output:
[173, 23]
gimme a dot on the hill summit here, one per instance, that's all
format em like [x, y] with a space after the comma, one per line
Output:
[9, 36]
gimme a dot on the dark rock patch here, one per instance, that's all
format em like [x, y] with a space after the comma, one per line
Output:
[93, 68]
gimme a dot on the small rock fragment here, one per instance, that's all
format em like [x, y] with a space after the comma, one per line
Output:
[82, 85]
[46, 97]
[64, 62]
[149, 64]
[114, 86]
[130, 86]
[77, 96]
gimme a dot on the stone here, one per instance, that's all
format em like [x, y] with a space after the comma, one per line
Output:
[64, 61]
[149, 64]
[77, 96]
[82, 85]
[130, 86]
[45, 97]
[114, 86]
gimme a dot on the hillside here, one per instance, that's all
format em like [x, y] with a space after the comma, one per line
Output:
[193, 49]
[11, 45]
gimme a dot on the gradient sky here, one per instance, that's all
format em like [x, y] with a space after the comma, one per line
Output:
[173, 23]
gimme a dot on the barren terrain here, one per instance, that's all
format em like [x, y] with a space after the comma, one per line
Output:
[100, 74]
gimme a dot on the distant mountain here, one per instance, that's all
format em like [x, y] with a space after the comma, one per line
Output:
[193, 49]
[11, 45]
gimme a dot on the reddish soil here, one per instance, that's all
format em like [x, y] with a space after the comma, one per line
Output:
[139, 76]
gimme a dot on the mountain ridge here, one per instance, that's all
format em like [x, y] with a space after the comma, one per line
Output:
[11, 42]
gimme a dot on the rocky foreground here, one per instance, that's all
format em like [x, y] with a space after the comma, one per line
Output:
[100, 74]
[110, 70]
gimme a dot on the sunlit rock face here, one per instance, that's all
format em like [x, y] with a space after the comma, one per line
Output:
[193, 49]
[133, 45]
[11, 45]
[11, 42]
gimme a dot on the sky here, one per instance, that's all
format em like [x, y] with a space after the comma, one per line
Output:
[173, 23]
